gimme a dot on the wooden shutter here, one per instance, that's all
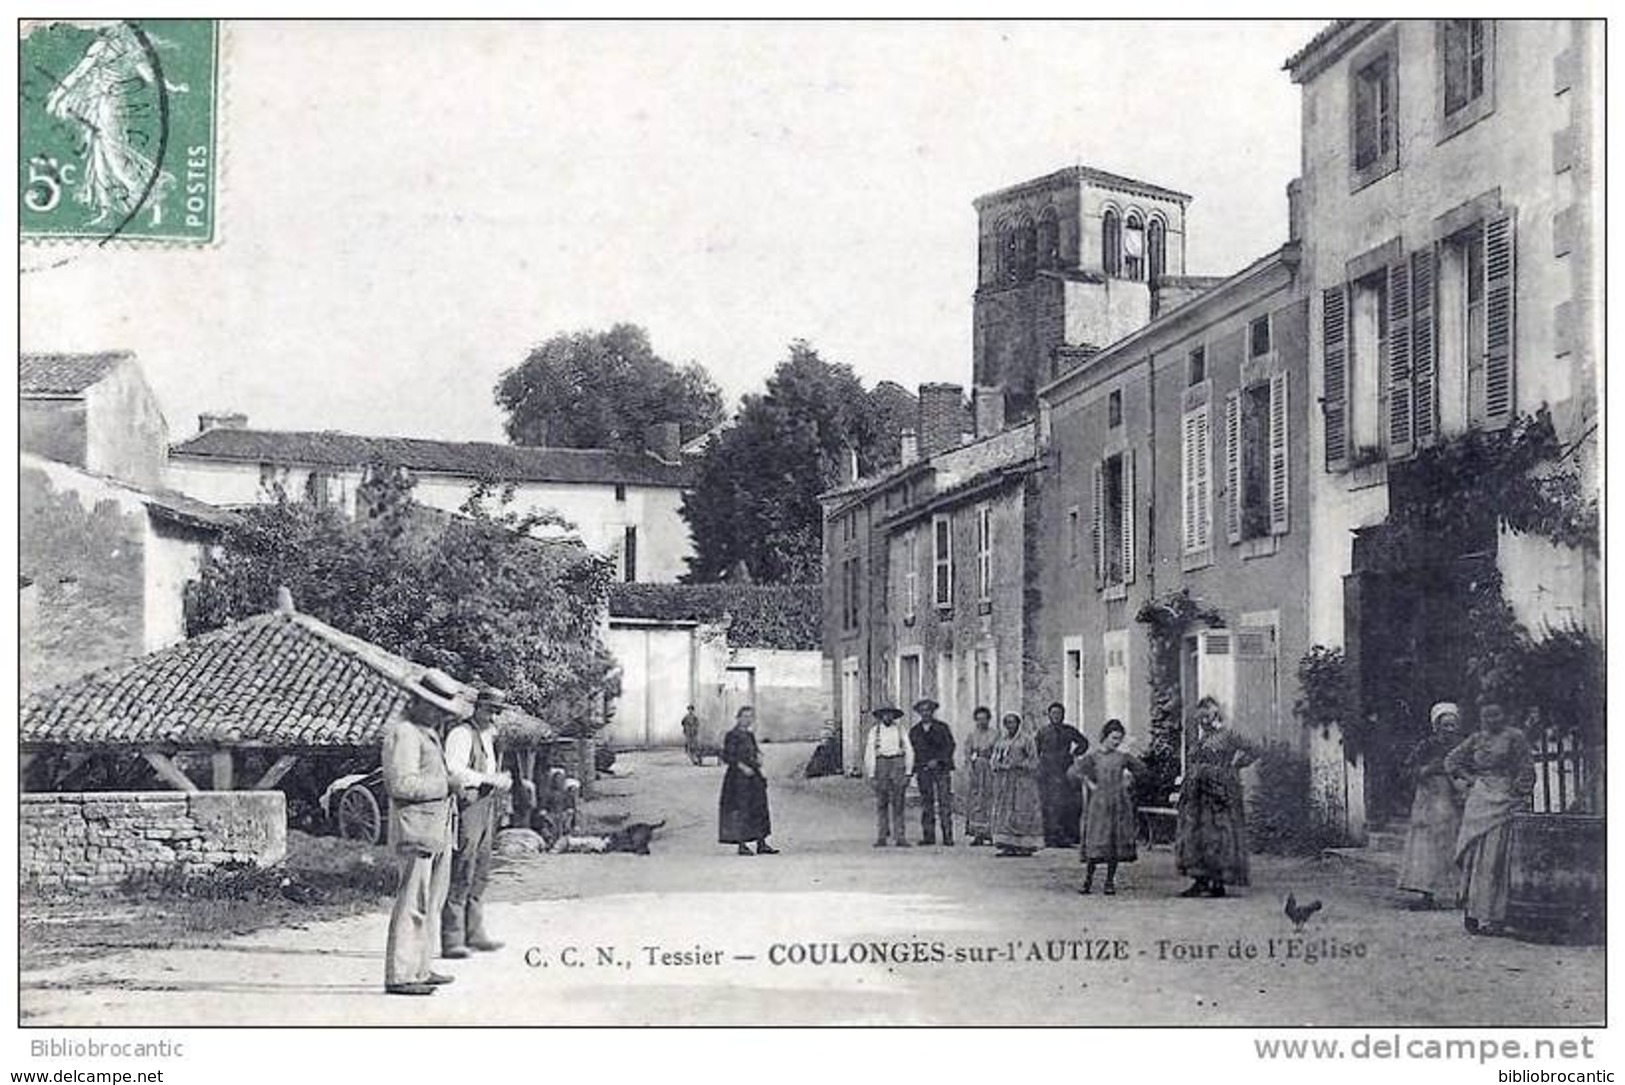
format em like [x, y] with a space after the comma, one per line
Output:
[1334, 362]
[1204, 478]
[1280, 463]
[1424, 374]
[1401, 440]
[1127, 537]
[1498, 325]
[1233, 497]
[1197, 482]
[1098, 531]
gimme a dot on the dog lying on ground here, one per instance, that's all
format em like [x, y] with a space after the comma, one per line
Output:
[632, 839]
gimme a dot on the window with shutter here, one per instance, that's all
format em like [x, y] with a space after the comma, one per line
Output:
[911, 573]
[1127, 515]
[1498, 321]
[1232, 467]
[984, 552]
[1280, 463]
[1334, 366]
[1197, 503]
[1401, 441]
[1097, 531]
[1424, 375]
[942, 561]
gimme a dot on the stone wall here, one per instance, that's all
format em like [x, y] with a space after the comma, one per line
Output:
[83, 545]
[96, 839]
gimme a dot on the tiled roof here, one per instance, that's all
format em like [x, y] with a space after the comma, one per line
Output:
[468, 459]
[1326, 34]
[281, 679]
[165, 504]
[64, 374]
[188, 511]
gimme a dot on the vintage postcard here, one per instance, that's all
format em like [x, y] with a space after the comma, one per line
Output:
[961, 523]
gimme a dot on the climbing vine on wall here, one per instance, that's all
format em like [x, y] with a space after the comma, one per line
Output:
[1521, 475]
[1326, 700]
[1167, 619]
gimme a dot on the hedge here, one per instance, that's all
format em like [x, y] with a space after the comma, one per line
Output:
[788, 616]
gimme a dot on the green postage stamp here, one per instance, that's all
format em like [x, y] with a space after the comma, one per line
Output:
[117, 130]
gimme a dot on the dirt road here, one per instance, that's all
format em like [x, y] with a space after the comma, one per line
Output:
[835, 931]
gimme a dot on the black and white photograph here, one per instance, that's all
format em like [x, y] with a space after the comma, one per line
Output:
[992, 522]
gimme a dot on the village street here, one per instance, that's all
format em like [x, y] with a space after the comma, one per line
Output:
[586, 935]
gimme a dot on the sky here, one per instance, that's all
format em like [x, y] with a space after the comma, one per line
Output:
[407, 208]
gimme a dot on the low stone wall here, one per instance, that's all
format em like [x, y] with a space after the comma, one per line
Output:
[93, 839]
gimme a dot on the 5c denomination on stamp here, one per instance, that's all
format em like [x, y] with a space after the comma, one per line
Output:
[118, 130]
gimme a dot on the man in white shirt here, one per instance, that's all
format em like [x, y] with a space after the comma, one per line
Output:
[477, 782]
[888, 760]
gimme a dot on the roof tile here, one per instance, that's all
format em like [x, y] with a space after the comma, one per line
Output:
[470, 459]
[278, 679]
[64, 374]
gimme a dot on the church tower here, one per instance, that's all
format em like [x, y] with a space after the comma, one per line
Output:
[1070, 263]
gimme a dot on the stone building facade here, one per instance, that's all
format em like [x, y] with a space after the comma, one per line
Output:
[624, 505]
[94, 411]
[1175, 464]
[1452, 254]
[105, 552]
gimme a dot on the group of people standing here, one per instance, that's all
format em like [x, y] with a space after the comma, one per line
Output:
[1045, 787]
[445, 790]
[1458, 847]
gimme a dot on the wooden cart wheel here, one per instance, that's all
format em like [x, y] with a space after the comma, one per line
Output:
[359, 817]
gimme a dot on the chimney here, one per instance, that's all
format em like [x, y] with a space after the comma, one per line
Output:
[849, 465]
[989, 410]
[664, 441]
[1294, 209]
[911, 447]
[209, 420]
[942, 417]
[284, 600]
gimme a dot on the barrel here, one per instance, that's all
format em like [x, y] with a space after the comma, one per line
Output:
[1557, 878]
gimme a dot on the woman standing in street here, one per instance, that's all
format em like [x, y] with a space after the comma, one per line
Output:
[1210, 842]
[1109, 828]
[1429, 863]
[743, 817]
[1494, 768]
[1018, 815]
[979, 766]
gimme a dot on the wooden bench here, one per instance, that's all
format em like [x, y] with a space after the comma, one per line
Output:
[1151, 818]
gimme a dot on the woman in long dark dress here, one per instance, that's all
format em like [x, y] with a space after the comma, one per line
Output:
[743, 817]
[1494, 767]
[1210, 842]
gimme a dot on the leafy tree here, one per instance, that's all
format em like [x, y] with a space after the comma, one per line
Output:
[601, 390]
[472, 594]
[756, 498]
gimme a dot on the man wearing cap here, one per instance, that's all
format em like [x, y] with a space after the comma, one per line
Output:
[933, 744]
[420, 827]
[478, 785]
[888, 759]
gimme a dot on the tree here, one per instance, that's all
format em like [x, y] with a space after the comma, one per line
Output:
[756, 498]
[601, 390]
[473, 594]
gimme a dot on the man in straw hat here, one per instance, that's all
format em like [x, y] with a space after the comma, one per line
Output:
[477, 784]
[888, 760]
[420, 826]
[933, 743]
